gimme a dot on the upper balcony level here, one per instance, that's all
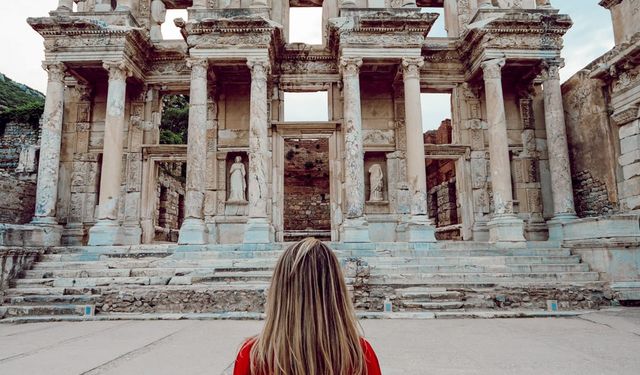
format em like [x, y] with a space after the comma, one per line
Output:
[152, 14]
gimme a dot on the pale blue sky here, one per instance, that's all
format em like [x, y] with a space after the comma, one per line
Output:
[590, 37]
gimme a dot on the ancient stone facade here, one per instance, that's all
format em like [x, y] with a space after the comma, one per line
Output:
[109, 68]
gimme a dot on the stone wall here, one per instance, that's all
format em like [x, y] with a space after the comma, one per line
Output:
[17, 198]
[169, 201]
[12, 140]
[591, 149]
[306, 185]
[13, 261]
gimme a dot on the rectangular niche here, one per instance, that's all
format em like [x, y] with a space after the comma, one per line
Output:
[375, 171]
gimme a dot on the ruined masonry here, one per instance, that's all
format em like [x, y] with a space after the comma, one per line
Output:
[531, 193]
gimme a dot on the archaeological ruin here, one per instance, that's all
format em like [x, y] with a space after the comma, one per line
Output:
[529, 193]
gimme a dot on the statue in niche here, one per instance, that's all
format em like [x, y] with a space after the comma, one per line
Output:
[237, 181]
[27, 161]
[376, 182]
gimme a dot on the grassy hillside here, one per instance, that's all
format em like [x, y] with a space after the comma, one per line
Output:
[19, 103]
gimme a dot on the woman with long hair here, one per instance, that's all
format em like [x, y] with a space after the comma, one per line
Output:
[310, 327]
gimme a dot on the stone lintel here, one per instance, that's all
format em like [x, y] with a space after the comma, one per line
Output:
[381, 53]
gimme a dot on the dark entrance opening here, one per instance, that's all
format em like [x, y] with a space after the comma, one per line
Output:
[170, 201]
[307, 210]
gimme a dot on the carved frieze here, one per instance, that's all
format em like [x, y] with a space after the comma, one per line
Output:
[377, 137]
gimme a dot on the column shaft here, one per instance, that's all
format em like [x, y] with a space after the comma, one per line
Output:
[197, 140]
[258, 229]
[498, 140]
[110, 180]
[50, 145]
[420, 228]
[354, 149]
[504, 225]
[558, 149]
[258, 139]
[416, 169]
[193, 230]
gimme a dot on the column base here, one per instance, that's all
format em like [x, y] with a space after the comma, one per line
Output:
[74, 234]
[131, 234]
[355, 230]
[212, 233]
[257, 230]
[193, 232]
[45, 232]
[506, 228]
[104, 232]
[420, 229]
[556, 231]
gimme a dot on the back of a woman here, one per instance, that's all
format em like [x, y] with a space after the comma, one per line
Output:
[310, 326]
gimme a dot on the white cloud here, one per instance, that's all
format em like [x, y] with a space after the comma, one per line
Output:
[305, 25]
[306, 106]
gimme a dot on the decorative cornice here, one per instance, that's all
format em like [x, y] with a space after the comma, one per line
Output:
[625, 116]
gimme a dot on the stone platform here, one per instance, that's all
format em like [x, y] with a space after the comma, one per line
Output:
[416, 277]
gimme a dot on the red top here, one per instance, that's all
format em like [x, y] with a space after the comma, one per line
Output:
[243, 364]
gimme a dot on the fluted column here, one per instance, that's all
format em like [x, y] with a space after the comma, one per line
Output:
[504, 224]
[420, 228]
[193, 230]
[50, 145]
[558, 149]
[258, 229]
[355, 227]
[107, 230]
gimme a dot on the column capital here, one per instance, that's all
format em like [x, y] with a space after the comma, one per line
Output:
[197, 62]
[551, 69]
[492, 69]
[411, 66]
[259, 67]
[57, 71]
[118, 70]
[350, 66]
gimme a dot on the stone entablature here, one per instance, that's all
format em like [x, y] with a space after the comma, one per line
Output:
[235, 64]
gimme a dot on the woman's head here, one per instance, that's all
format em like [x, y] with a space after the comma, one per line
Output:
[310, 327]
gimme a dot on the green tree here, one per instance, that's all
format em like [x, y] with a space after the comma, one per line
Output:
[175, 119]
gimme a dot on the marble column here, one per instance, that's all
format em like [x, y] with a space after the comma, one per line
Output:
[485, 4]
[420, 227]
[258, 228]
[504, 225]
[355, 228]
[107, 230]
[558, 149]
[50, 147]
[193, 230]
[65, 6]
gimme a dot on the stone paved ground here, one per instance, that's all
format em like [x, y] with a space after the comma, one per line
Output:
[600, 343]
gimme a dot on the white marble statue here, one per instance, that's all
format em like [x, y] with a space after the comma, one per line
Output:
[376, 181]
[27, 161]
[237, 181]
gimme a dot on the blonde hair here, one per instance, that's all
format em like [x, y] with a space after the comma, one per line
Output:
[310, 327]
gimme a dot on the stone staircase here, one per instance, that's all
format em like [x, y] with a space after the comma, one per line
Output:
[220, 278]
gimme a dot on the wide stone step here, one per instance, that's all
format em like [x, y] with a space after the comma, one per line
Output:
[511, 268]
[430, 306]
[79, 299]
[26, 310]
[428, 294]
[426, 278]
[135, 272]
[476, 261]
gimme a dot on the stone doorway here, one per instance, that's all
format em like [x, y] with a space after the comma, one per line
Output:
[307, 203]
[170, 196]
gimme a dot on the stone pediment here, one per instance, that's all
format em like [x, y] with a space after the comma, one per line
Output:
[231, 30]
[516, 35]
[399, 28]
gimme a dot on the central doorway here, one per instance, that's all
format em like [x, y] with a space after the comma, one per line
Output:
[306, 180]
[307, 203]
